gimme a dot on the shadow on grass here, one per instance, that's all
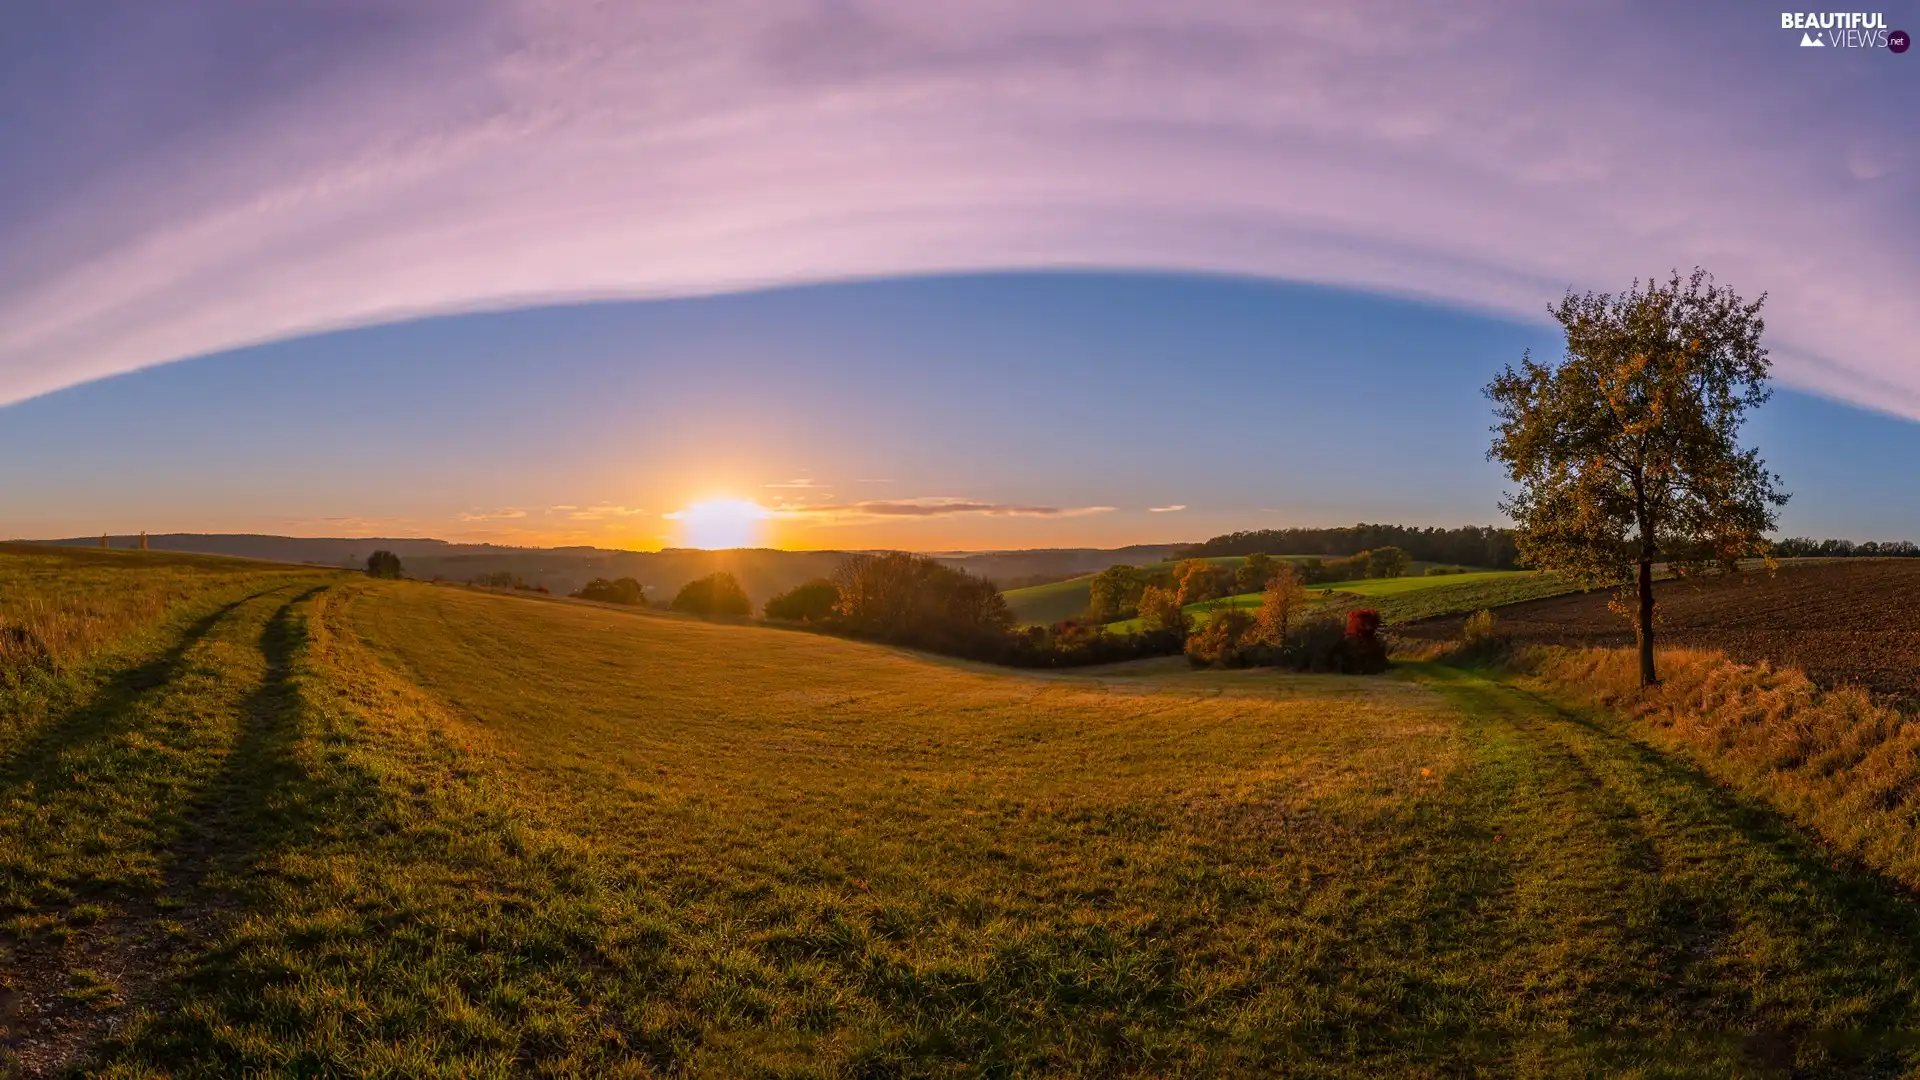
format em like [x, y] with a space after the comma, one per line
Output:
[37, 761]
[1858, 912]
[225, 827]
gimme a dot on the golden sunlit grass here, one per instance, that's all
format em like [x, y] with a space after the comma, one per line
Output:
[363, 828]
[64, 608]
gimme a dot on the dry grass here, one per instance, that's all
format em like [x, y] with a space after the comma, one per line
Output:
[59, 608]
[67, 615]
[1836, 760]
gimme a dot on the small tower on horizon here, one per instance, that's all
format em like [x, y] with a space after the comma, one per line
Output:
[143, 539]
[103, 540]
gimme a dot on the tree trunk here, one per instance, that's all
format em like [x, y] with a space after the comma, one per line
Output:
[1643, 627]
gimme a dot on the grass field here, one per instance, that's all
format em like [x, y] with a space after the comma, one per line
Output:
[1402, 600]
[303, 824]
[1040, 605]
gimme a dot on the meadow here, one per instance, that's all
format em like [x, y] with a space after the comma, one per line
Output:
[1040, 605]
[1400, 600]
[300, 823]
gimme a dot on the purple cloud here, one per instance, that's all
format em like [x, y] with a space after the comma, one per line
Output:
[178, 187]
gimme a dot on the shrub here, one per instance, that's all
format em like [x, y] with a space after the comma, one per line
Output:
[716, 594]
[1317, 644]
[618, 591]
[383, 564]
[812, 601]
[1365, 653]
[1440, 571]
[1218, 643]
[1075, 643]
[1477, 628]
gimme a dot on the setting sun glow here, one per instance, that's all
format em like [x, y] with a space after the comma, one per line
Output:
[721, 523]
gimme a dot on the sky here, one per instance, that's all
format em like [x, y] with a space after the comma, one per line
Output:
[975, 274]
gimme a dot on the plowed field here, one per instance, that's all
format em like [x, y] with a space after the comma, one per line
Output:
[1841, 621]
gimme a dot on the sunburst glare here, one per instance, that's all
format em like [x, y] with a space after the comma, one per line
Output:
[722, 523]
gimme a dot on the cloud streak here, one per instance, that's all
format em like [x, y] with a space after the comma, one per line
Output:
[487, 155]
[935, 508]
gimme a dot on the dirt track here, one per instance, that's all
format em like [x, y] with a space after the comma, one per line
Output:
[1841, 621]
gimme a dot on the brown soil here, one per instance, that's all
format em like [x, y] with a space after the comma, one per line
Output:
[1840, 621]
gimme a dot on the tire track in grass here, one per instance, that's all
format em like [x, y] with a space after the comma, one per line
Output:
[1649, 899]
[112, 820]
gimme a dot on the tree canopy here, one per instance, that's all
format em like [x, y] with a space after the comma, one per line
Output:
[624, 590]
[809, 601]
[1626, 452]
[719, 593]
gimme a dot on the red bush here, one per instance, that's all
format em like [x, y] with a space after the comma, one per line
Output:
[1365, 653]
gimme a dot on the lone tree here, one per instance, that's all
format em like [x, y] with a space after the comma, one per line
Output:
[1626, 452]
[383, 564]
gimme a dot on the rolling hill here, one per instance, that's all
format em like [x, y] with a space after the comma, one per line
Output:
[277, 821]
[763, 572]
[1040, 605]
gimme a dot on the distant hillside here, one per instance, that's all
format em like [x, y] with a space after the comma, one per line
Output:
[320, 550]
[763, 572]
[1039, 605]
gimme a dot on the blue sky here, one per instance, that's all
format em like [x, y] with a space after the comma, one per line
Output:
[982, 410]
[985, 273]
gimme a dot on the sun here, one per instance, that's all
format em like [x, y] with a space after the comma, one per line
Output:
[721, 523]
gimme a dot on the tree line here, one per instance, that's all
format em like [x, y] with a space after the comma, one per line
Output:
[1802, 547]
[1470, 545]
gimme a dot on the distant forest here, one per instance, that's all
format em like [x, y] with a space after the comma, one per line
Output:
[1474, 545]
[1802, 547]
[1471, 545]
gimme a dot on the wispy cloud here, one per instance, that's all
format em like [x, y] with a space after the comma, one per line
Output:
[504, 513]
[937, 507]
[802, 484]
[601, 512]
[1166, 509]
[452, 157]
